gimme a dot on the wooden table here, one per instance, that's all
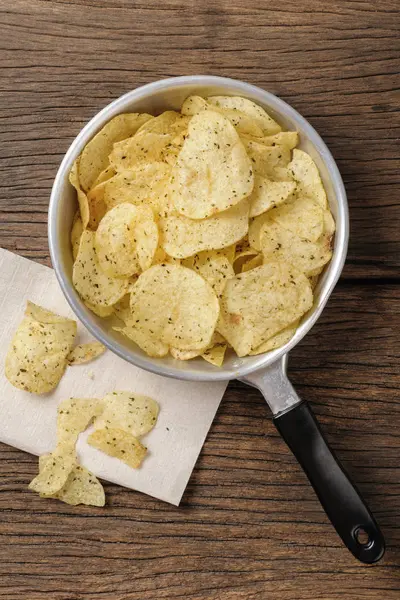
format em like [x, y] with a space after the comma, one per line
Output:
[249, 526]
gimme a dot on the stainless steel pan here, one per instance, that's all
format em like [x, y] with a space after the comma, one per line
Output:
[292, 417]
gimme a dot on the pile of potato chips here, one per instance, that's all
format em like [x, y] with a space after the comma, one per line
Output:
[120, 418]
[199, 230]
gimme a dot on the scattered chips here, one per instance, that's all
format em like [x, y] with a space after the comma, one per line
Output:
[38, 353]
[175, 209]
[73, 417]
[259, 303]
[126, 240]
[81, 486]
[54, 474]
[119, 444]
[84, 353]
[133, 413]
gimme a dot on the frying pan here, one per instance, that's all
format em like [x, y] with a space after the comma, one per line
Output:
[292, 417]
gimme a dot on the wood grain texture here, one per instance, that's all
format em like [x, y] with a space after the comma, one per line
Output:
[249, 527]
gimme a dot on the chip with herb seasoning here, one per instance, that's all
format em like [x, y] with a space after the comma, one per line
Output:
[119, 444]
[133, 413]
[81, 486]
[84, 353]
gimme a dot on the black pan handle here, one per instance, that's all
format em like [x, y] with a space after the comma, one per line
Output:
[340, 499]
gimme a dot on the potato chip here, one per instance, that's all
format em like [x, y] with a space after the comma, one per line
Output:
[81, 487]
[133, 413]
[37, 357]
[55, 471]
[242, 105]
[147, 145]
[100, 311]
[147, 184]
[122, 308]
[175, 306]
[269, 194]
[105, 175]
[305, 173]
[259, 303]
[84, 353]
[126, 240]
[150, 345]
[76, 233]
[97, 206]
[183, 237]
[276, 341]
[288, 139]
[90, 281]
[74, 416]
[242, 257]
[240, 120]
[303, 217]
[253, 263]
[269, 161]
[213, 171]
[94, 158]
[119, 444]
[82, 198]
[282, 244]
[215, 268]
[215, 355]
[255, 227]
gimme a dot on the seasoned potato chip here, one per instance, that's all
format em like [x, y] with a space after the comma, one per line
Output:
[242, 105]
[84, 353]
[174, 306]
[133, 413]
[276, 341]
[105, 175]
[150, 345]
[74, 416]
[253, 263]
[97, 206]
[269, 194]
[240, 120]
[126, 240]
[82, 198]
[288, 139]
[122, 309]
[214, 267]
[147, 145]
[259, 303]
[119, 444]
[55, 470]
[38, 352]
[100, 311]
[90, 281]
[81, 487]
[269, 161]
[305, 173]
[303, 217]
[282, 244]
[185, 354]
[215, 355]
[242, 257]
[213, 171]
[76, 233]
[94, 158]
[183, 237]
[255, 227]
[147, 184]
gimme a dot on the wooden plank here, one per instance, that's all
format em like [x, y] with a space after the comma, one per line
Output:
[249, 525]
[337, 64]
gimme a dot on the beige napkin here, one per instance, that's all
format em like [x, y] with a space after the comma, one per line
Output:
[27, 421]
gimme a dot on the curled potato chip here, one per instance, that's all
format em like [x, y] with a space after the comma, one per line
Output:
[122, 309]
[147, 184]
[269, 161]
[173, 306]
[305, 173]
[269, 194]
[133, 413]
[74, 416]
[81, 487]
[215, 355]
[94, 158]
[76, 233]
[97, 206]
[84, 353]
[105, 175]
[82, 198]
[147, 145]
[55, 470]
[118, 444]
[244, 124]
[259, 303]
[278, 243]
[242, 257]
[288, 139]
[37, 356]
[276, 341]
[253, 263]
[214, 267]
[184, 354]
[151, 345]
[90, 281]
[183, 237]
[213, 171]
[126, 240]
[252, 110]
